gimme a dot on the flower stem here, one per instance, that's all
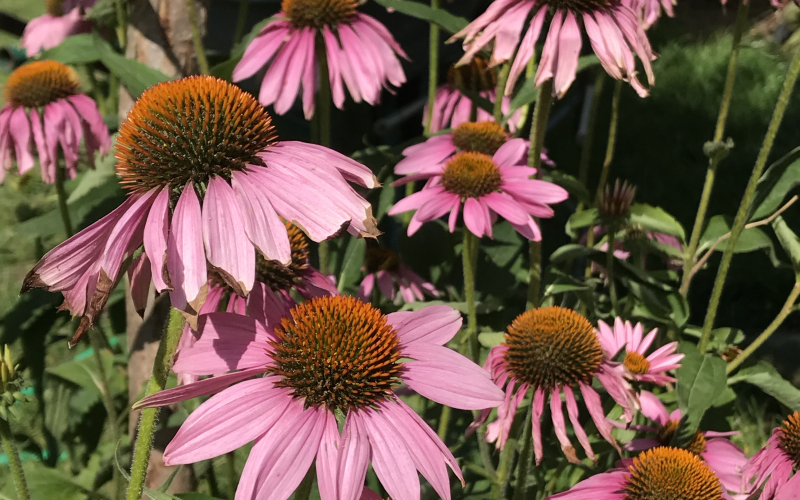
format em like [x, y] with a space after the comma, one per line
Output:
[147, 422]
[303, 491]
[469, 257]
[785, 311]
[503, 468]
[747, 199]
[98, 342]
[197, 40]
[433, 69]
[323, 115]
[122, 24]
[502, 78]
[241, 19]
[444, 422]
[61, 173]
[588, 140]
[540, 115]
[612, 139]
[612, 289]
[524, 459]
[714, 159]
[233, 479]
[14, 462]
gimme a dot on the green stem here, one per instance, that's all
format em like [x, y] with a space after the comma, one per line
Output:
[503, 468]
[523, 118]
[502, 78]
[540, 115]
[409, 191]
[747, 199]
[323, 115]
[147, 422]
[612, 139]
[14, 462]
[98, 342]
[62, 200]
[303, 491]
[122, 24]
[433, 69]
[241, 19]
[612, 289]
[786, 310]
[197, 40]
[469, 252]
[524, 459]
[588, 140]
[444, 422]
[714, 159]
[233, 478]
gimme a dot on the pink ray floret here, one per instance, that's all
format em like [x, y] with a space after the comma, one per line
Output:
[773, 470]
[451, 108]
[630, 337]
[47, 31]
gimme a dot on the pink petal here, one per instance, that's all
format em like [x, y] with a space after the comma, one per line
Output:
[261, 50]
[186, 260]
[262, 224]
[327, 460]
[474, 217]
[290, 86]
[429, 325]
[569, 50]
[204, 387]
[139, 277]
[20, 130]
[353, 456]
[391, 460]
[155, 238]
[127, 234]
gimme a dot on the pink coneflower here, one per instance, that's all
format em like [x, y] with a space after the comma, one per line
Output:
[775, 465]
[650, 10]
[642, 368]
[63, 18]
[209, 183]
[384, 267]
[453, 106]
[724, 457]
[554, 351]
[45, 110]
[479, 166]
[613, 29]
[663, 473]
[360, 53]
[329, 356]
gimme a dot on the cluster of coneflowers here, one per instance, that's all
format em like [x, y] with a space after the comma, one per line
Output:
[219, 213]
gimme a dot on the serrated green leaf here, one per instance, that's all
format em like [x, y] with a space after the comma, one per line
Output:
[656, 219]
[622, 269]
[780, 178]
[584, 218]
[789, 241]
[353, 261]
[701, 380]
[766, 378]
[445, 20]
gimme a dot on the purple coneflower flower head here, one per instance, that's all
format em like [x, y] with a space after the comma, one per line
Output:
[476, 165]
[452, 105]
[613, 29]
[554, 351]
[43, 111]
[63, 18]
[663, 473]
[641, 367]
[650, 10]
[383, 266]
[209, 184]
[329, 358]
[360, 53]
[724, 457]
[774, 467]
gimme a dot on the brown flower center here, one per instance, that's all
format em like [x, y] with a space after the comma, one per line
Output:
[188, 130]
[337, 351]
[552, 347]
[39, 83]
[380, 259]
[471, 175]
[318, 13]
[476, 76]
[665, 434]
[54, 7]
[481, 137]
[789, 440]
[636, 363]
[278, 276]
[671, 474]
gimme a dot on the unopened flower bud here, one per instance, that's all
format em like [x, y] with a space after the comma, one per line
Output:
[615, 203]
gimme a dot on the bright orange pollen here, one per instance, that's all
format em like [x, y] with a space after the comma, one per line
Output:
[636, 363]
[671, 474]
[790, 437]
[481, 137]
[39, 83]
[471, 175]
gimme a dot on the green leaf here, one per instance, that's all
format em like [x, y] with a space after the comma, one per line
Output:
[136, 77]
[766, 378]
[76, 49]
[569, 183]
[751, 239]
[445, 20]
[720, 337]
[789, 241]
[584, 218]
[622, 269]
[353, 261]
[196, 496]
[488, 306]
[656, 219]
[45, 482]
[82, 371]
[491, 339]
[701, 380]
[780, 178]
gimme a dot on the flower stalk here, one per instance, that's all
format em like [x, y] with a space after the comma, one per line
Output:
[322, 117]
[714, 159]
[62, 200]
[433, 69]
[612, 290]
[147, 422]
[502, 78]
[469, 259]
[197, 40]
[538, 127]
[747, 200]
[14, 463]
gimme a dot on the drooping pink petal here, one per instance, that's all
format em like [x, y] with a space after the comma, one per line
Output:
[156, 230]
[290, 85]
[95, 132]
[204, 387]
[474, 217]
[391, 460]
[327, 459]
[353, 456]
[580, 433]
[139, 277]
[536, 424]
[20, 130]
[261, 49]
[186, 260]
[262, 224]
[569, 50]
[127, 234]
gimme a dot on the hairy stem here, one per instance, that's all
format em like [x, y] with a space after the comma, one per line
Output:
[612, 139]
[122, 24]
[61, 173]
[433, 69]
[524, 459]
[502, 78]
[14, 463]
[612, 289]
[540, 115]
[469, 259]
[747, 199]
[147, 422]
[233, 478]
[714, 159]
[197, 40]
[303, 491]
